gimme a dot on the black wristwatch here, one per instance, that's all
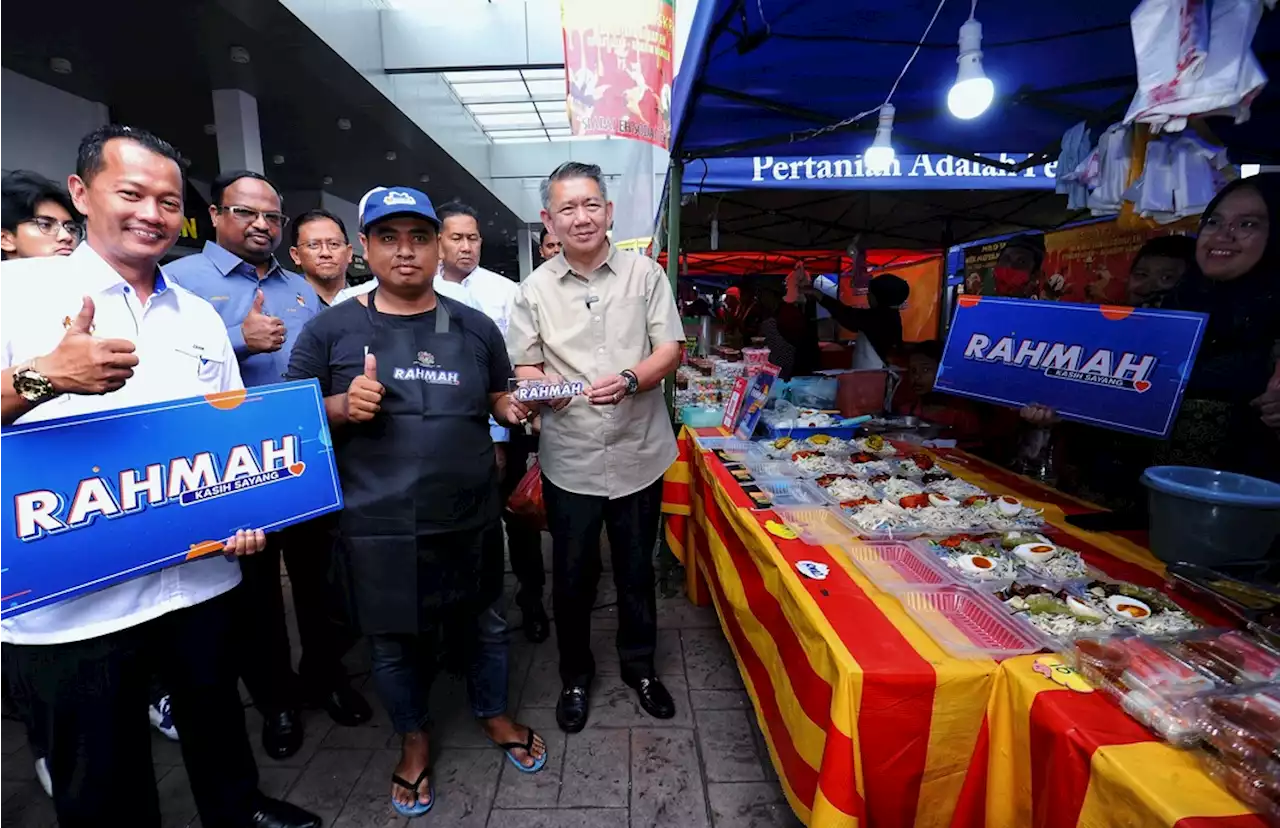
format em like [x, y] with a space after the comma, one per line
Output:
[633, 382]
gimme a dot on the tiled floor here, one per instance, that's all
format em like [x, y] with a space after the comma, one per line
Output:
[706, 767]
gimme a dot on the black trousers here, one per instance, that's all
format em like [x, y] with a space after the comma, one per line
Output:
[575, 521]
[524, 543]
[263, 637]
[90, 697]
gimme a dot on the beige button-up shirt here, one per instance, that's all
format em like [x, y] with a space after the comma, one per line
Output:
[584, 327]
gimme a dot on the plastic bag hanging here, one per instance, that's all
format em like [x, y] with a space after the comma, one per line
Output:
[1181, 73]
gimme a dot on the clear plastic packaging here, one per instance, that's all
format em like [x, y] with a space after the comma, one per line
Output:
[1240, 745]
[817, 525]
[733, 448]
[968, 624]
[900, 566]
[790, 491]
[763, 468]
[1230, 656]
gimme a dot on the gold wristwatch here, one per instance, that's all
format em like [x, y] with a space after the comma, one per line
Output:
[31, 385]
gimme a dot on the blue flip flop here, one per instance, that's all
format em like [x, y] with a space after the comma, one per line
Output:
[527, 747]
[417, 809]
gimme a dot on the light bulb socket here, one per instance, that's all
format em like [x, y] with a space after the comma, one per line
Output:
[971, 37]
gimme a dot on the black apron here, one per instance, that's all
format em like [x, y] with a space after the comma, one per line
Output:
[420, 483]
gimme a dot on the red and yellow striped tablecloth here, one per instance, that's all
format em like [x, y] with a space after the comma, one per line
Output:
[869, 723]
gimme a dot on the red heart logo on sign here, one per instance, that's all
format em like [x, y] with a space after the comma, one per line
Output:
[1141, 385]
[296, 468]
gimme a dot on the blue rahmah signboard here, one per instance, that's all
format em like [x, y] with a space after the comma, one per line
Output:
[96, 499]
[1116, 367]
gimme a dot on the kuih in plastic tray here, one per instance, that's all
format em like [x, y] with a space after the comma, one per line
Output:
[1231, 656]
[816, 525]
[970, 625]
[898, 567]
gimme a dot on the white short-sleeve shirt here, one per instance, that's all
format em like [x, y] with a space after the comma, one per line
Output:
[183, 351]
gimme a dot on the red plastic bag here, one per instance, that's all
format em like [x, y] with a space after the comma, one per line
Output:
[526, 501]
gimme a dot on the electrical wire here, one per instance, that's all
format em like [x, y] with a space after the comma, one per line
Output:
[814, 133]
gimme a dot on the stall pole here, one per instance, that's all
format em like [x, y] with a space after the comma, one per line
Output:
[675, 187]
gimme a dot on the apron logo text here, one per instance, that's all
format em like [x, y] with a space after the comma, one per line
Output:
[533, 391]
[431, 375]
[1059, 360]
[183, 480]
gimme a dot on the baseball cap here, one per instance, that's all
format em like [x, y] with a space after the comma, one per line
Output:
[384, 202]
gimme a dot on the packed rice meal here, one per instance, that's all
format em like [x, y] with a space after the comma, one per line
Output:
[1056, 611]
[896, 488]
[918, 464]
[1007, 514]
[849, 491]
[1146, 610]
[875, 444]
[891, 516]
[873, 468]
[955, 487]
[815, 463]
[829, 444]
[1045, 558]
[976, 561]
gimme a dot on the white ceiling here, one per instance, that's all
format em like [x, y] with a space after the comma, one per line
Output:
[516, 106]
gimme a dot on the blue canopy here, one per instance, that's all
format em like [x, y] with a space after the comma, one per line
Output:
[752, 85]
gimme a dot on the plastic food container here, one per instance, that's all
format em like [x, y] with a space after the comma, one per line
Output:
[701, 416]
[789, 491]
[762, 468]
[731, 446]
[813, 392]
[1209, 517]
[970, 625]
[1231, 656]
[817, 525]
[1240, 743]
[899, 567]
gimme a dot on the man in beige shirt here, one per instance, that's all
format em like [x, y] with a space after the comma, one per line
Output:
[607, 318]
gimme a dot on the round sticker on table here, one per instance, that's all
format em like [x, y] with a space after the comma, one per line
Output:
[1055, 669]
[811, 569]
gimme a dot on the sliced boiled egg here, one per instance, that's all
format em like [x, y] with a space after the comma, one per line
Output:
[976, 564]
[1082, 609]
[1035, 552]
[1130, 608]
[1009, 506]
[941, 500]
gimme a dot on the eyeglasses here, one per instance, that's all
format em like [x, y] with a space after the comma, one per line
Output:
[50, 226]
[1243, 228]
[336, 245]
[246, 215]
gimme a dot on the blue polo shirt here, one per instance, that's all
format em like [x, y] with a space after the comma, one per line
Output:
[229, 283]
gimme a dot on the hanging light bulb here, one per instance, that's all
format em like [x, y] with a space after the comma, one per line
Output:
[879, 156]
[973, 91]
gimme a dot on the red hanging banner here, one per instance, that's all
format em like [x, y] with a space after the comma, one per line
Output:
[618, 64]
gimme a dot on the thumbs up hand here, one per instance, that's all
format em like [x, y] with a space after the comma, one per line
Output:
[262, 333]
[84, 364]
[364, 396]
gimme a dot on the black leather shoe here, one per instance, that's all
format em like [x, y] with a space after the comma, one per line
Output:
[345, 705]
[654, 697]
[536, 625]
[282, 734]
[272, 813]
[573, 708]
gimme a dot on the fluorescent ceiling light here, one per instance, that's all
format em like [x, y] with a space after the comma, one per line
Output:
[546, 88]
[482, 77]
[507, 108]
[500, 89]
[509, 121]
[543, 74]
[541, 140]
[518, 133]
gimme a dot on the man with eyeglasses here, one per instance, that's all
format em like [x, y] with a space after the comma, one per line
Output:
[320, 248]
[264, 308]
[38, 219]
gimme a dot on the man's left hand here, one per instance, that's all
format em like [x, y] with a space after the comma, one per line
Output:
[607, 390]
[245, 542]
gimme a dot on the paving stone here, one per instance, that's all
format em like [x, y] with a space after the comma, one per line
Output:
[165, 751]
[666, 787]
[465, 783]
[677, 613]
[369, 803]
[596, 769]
[708, 661]
[560, 818]
[375, 734]
[277, 782]
[26, 806]
[719, 699]
[668, 658]
[452, 724]
[19, 765]
[177, 803]
[728, 746]
[535, 790]
[328, 779]
[762, 747]
[542, 687]
[750, 805]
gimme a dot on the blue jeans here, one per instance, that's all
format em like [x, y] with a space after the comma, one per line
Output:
[404, 668]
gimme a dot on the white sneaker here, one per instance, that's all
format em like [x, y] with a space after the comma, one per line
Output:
[161, 720]
[42, 773]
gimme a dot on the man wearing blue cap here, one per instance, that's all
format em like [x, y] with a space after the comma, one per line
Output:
[410, 379]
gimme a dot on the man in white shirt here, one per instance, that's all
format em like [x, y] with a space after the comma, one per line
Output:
[97, 330]
[461, 277]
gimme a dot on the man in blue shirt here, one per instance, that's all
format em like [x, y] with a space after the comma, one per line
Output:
[264, 308]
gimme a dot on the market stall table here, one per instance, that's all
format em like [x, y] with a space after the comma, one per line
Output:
[869, 722]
